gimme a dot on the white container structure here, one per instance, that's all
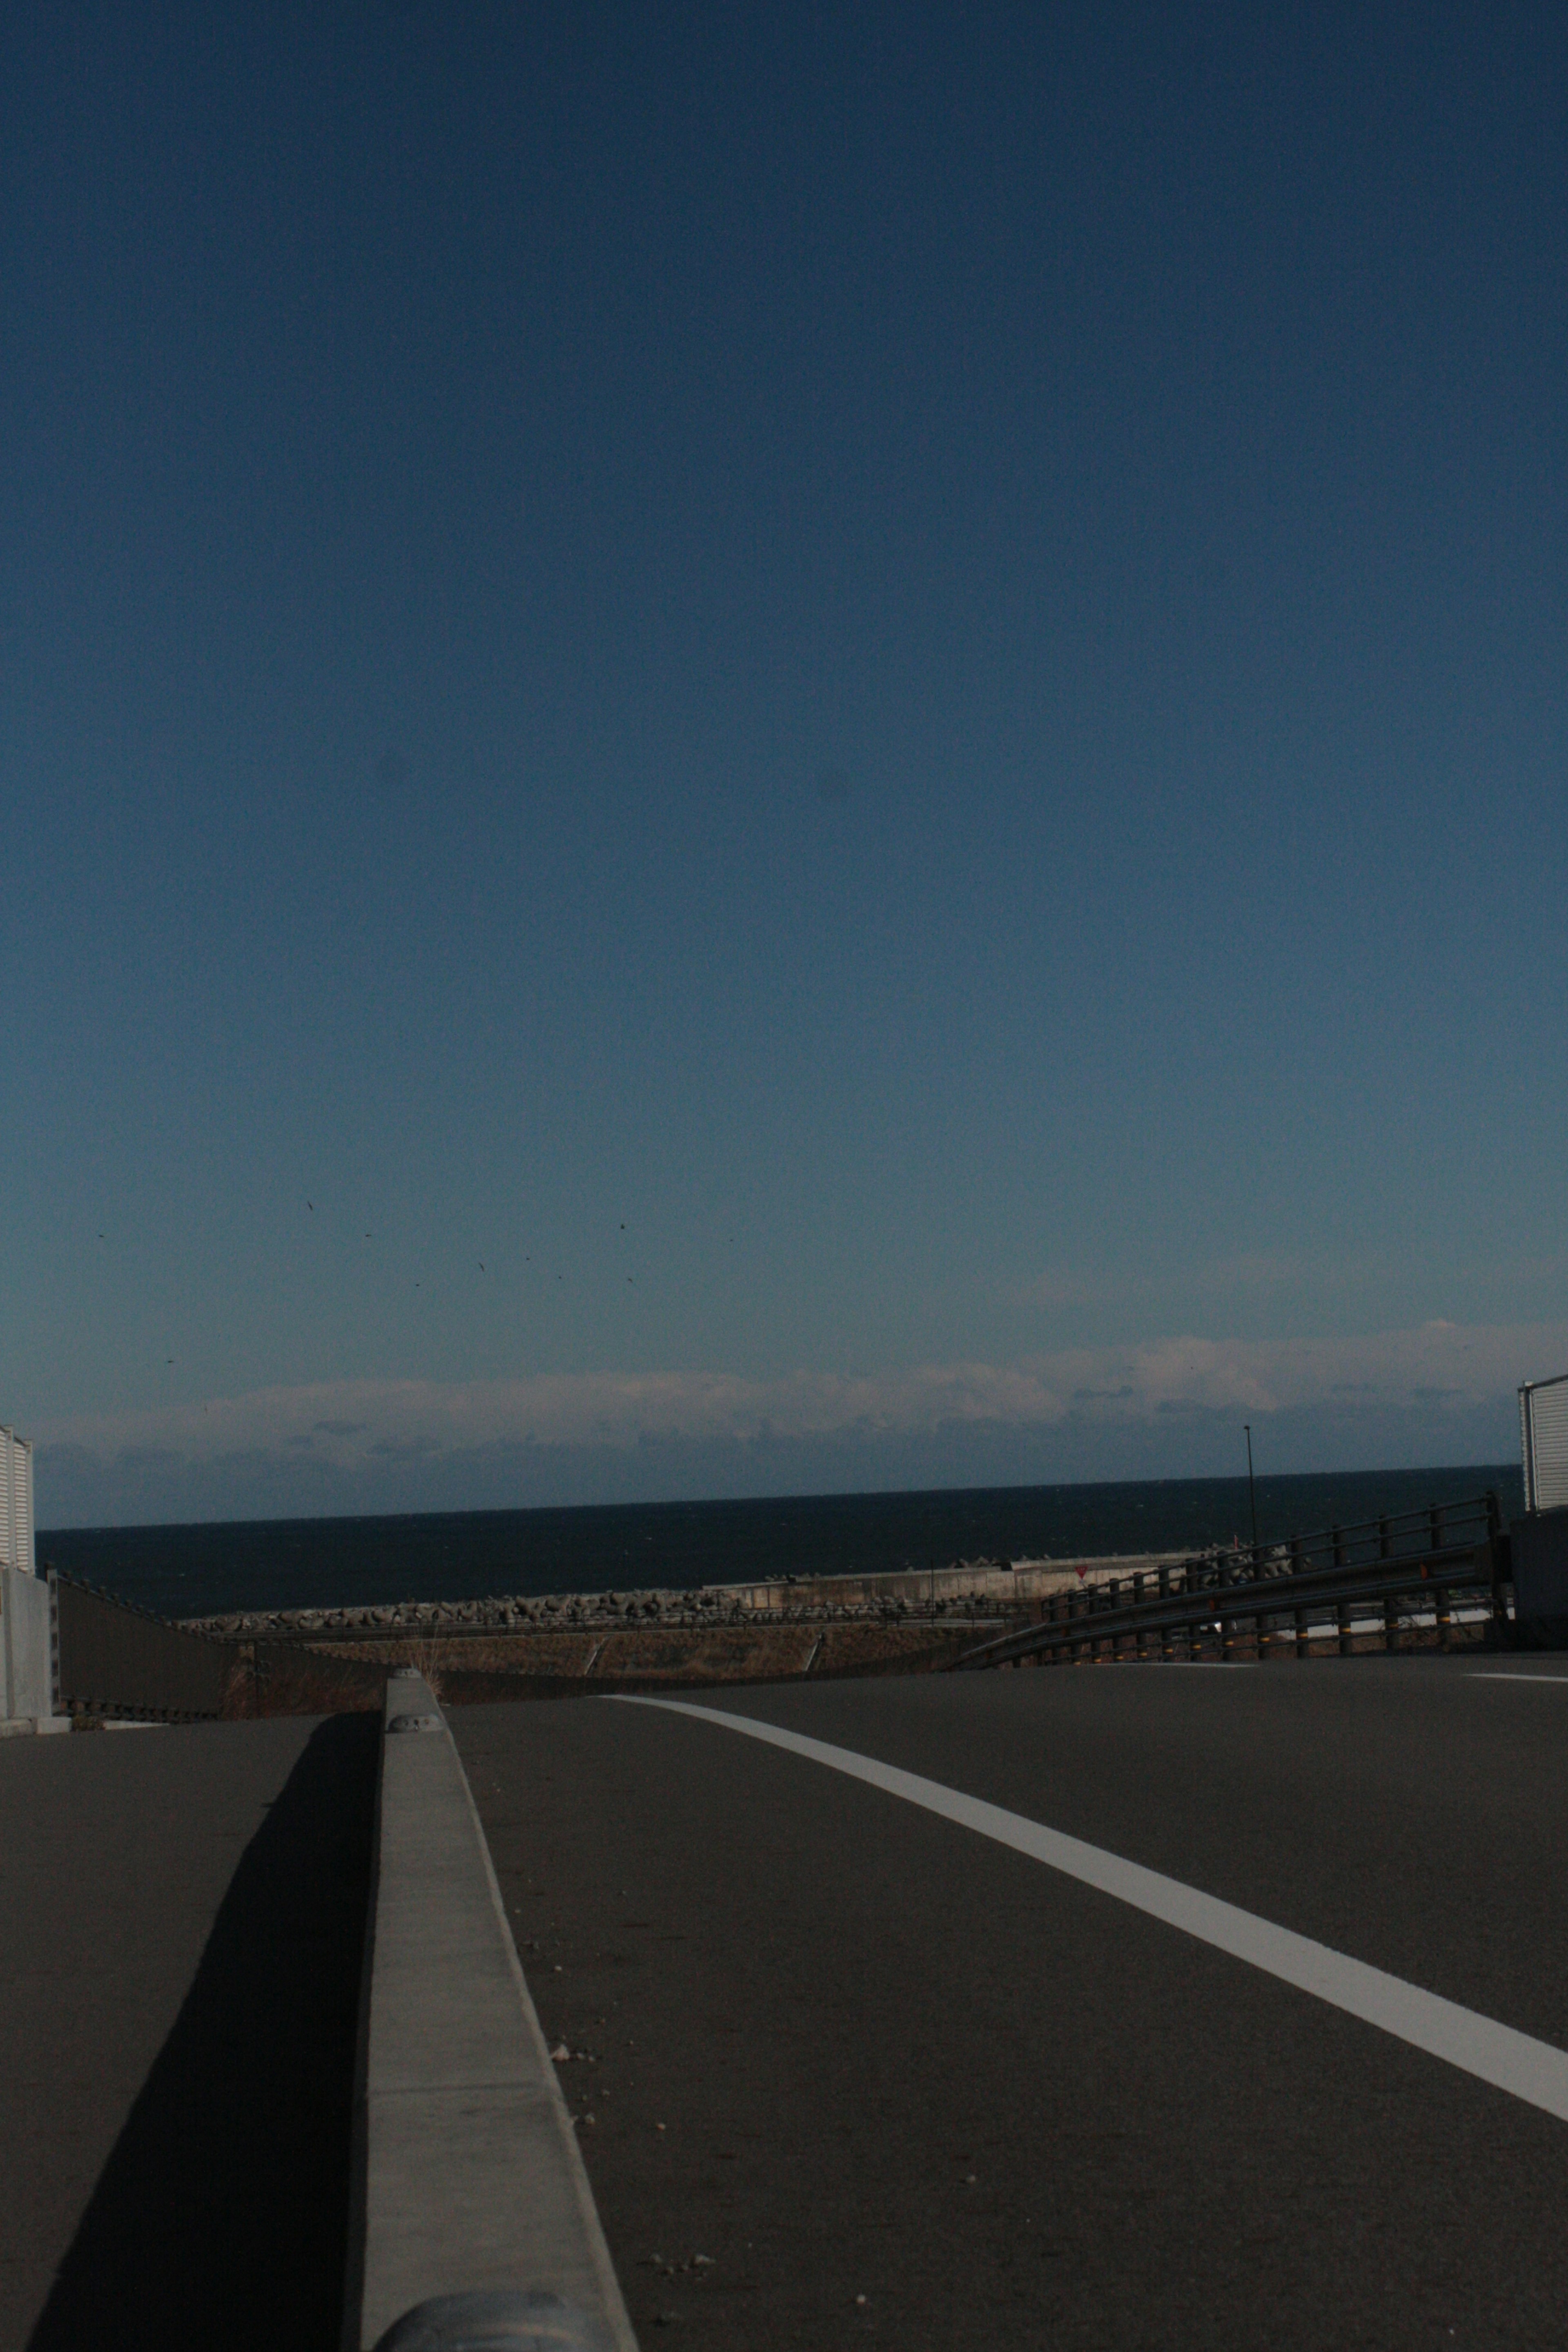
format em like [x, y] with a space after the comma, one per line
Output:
[16, 1501]
[1544, 1430]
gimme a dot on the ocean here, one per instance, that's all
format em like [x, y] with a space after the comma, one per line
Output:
[205, 1570]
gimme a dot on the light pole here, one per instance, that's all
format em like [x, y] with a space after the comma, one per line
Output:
[1251, 1491]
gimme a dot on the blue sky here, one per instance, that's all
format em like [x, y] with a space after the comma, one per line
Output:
[702, 708]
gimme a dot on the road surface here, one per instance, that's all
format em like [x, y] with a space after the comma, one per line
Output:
[895, 2082]
[181, 1931]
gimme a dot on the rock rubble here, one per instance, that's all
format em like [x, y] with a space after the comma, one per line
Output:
[710, 1605]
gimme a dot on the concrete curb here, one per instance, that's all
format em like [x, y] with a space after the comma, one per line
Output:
[469, 2195]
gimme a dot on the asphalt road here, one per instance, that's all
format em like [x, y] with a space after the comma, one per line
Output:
[181, 1918]
[845, 2049]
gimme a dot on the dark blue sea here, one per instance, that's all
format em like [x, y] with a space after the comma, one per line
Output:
[201, 1570]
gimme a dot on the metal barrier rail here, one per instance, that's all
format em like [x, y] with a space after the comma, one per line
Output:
[1377, 1564]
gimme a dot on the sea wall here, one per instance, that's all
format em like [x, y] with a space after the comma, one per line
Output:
[964, 1590]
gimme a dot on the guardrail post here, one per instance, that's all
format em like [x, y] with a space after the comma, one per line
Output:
[1303, 1638]
[1443, 1613]
[1343, 1620]
[1390, 1624]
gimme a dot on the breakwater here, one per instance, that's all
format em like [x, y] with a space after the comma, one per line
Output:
[776, 1630]
[961, 1590]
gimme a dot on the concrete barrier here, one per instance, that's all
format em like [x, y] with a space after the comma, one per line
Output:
[1537, 1548]
[26, 1671]
[473, 2222]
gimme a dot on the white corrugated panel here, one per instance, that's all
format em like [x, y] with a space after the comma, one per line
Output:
[7, 1499]
[16, 1501]
[1544, 1425]
[22, 1484]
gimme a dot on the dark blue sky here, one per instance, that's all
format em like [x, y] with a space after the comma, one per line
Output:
[850, 692]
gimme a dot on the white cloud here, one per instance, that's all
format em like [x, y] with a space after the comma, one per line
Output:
[1440, 1367]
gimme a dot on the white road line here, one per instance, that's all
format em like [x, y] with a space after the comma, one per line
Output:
[1480, 1676]
[1535, 2072]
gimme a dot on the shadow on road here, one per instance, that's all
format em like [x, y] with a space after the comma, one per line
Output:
[220, 2215]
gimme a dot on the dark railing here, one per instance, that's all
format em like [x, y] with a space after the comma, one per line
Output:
[111, 1659]
[1264, 1597]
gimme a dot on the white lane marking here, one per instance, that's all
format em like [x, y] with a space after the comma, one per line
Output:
[1535, 2072]
[1479, 1676]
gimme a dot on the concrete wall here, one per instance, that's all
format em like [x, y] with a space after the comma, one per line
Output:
[27, 1683]
[1539, 1546]
[1030, 1580]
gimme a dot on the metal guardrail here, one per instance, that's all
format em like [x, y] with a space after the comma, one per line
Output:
[1264, 1597]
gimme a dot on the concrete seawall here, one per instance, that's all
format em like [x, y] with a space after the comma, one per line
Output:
[959, 1590]
[1025, 1580]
